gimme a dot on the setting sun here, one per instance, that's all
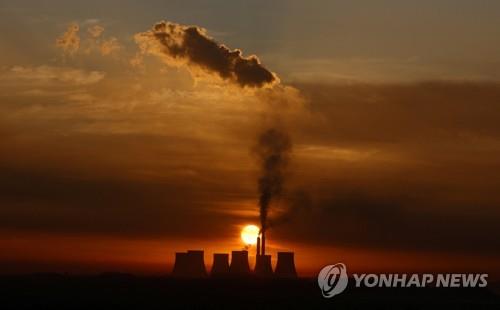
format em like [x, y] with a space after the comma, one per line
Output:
[249, 234]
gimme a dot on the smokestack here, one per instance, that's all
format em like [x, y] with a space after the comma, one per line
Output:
[285, 268]
[220, 267]
[263, 266]
[263, 250]
[239, 264]
[258, 246]
[180, 265]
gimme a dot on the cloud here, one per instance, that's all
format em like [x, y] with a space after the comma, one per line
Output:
[91, 21]
[109, 46]
[180, 45]
[95, 31]
[403, 166]
[400, 166]
[53, 74]
[387, 166]
[69, 41]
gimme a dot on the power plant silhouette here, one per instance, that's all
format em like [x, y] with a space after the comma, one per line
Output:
[191, 264]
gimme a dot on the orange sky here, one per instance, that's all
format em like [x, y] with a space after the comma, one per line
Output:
[120, 148]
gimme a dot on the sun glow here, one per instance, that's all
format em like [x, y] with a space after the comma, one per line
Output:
[249, 234]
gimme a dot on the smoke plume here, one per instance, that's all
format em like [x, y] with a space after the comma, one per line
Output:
[273, 151]
[190, 45]
[297, 203]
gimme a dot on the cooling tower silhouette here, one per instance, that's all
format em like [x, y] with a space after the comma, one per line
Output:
[180, 265]
[239, 264]
[285, 268]
[196, 262]
[220, 267]
[263, 266]
[189, 265]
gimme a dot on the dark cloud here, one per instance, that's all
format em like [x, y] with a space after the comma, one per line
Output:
[399, 217]
[401, 166]
[190, 45]
[81, 184]
[370, 114]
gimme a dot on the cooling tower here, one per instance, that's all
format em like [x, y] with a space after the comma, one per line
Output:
[220, 267]
[180, 265]
[285, 268]
[239, 264]
[196, 264]
[263, 266]
[189, 265]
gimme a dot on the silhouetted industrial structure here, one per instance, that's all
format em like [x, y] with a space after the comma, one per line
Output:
[263, 266]
[258, 246]
[180, 265]
[263, 242]
[220, 266]
[239, 264]
[189, 265]
[285, 267]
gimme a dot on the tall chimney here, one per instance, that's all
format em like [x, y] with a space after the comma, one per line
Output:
[239, 264]
[285, 268]
[263, 250]
[258, 246]
[220, 267]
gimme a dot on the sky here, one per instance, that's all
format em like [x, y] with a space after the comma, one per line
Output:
[118, 150]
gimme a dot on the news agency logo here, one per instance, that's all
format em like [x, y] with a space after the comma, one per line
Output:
[333, 280]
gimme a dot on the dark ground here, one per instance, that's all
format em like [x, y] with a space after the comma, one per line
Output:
[118, 291]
